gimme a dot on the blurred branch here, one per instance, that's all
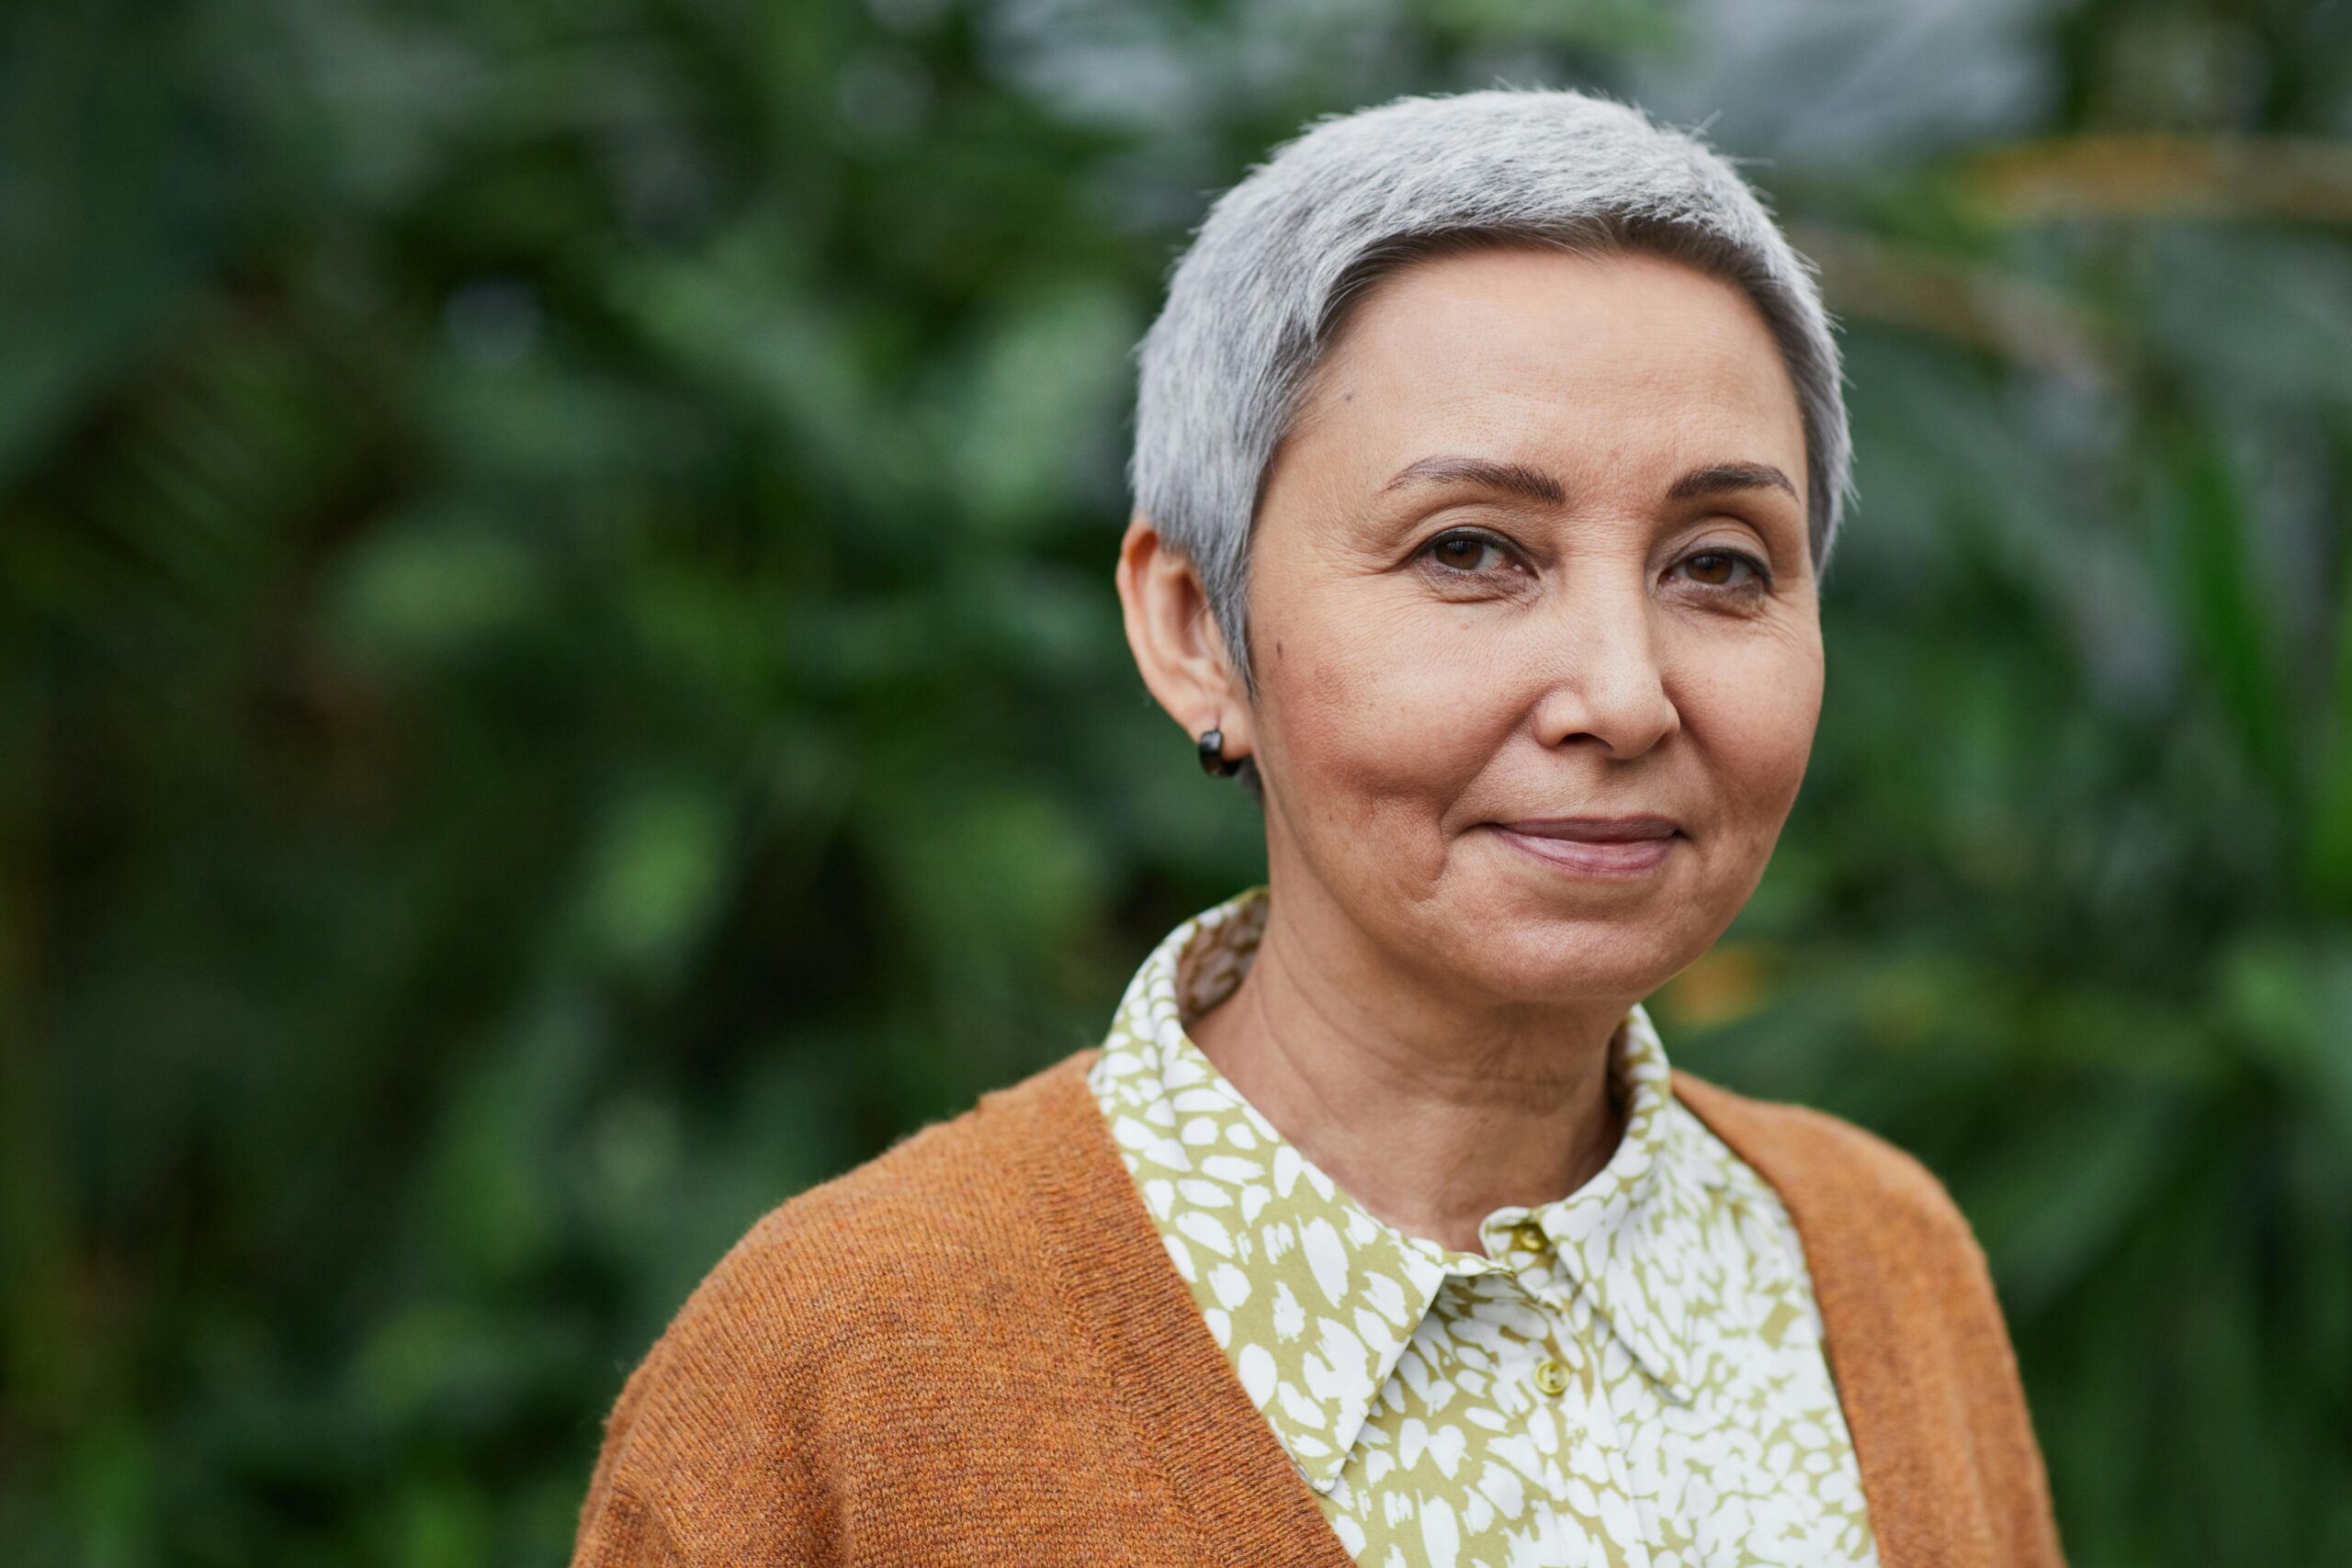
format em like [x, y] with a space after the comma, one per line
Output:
[1910, 286]
[2163, 174]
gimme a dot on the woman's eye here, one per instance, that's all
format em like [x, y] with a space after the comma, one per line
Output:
[1472, 554]
[1721, 568]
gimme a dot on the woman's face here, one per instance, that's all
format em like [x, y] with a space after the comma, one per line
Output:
[1536, 548]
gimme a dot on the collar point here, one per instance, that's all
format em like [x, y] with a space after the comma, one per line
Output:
[1319, 1478]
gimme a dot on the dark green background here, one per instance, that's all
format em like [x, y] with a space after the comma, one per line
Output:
[561, 684]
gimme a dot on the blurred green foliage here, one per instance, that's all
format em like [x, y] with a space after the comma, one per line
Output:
[561, 685]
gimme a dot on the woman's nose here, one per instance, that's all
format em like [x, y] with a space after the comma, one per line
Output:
[1601, 677]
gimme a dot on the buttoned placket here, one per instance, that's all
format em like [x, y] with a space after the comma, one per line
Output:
[1571, 1403]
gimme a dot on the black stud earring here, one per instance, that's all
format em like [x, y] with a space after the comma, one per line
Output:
[1213, 758]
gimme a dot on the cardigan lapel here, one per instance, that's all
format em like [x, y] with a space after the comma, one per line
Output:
[1888, 1326]
[1183, 1400]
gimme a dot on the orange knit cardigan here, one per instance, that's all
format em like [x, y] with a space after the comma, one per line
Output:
[975, 1350]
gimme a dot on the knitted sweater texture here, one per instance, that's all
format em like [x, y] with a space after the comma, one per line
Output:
[974, 1350]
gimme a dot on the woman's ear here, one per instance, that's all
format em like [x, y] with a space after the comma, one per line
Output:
[1178, 646]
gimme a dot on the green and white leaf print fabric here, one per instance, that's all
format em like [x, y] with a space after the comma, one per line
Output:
[1632, 1376]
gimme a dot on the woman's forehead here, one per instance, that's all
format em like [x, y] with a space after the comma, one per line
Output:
[1549, 360]
[1574, 328]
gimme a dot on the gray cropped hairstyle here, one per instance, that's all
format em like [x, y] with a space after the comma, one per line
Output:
[1262, 291]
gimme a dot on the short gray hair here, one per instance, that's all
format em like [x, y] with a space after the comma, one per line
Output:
[1264, 287]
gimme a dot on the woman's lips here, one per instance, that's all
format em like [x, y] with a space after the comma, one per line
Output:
[1594, 847]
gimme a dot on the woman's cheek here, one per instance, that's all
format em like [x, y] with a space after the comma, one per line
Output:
[1762, 720]
[1382, 718]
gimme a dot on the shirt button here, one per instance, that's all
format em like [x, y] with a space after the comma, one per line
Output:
[1529, 1234]
[1552, 1378]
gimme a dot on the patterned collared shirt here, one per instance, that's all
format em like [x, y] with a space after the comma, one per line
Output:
[1630, 1375]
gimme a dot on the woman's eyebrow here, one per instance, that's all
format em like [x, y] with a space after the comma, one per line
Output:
[1717, 479]
[1517, 478]
[1534, 484]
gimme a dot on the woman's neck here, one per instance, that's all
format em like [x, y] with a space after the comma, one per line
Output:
[1429, 1110]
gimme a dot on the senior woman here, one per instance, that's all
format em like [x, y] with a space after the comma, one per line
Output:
[1488, 450]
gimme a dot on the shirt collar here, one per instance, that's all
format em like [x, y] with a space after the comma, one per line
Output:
[1313, 1298]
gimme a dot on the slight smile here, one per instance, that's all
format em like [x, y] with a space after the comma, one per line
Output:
[1594, 846]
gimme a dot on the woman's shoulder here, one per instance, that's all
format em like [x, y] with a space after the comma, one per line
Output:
[957, 1197]
[1913, 1323]
[1814, 1157]
[927, 1265]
